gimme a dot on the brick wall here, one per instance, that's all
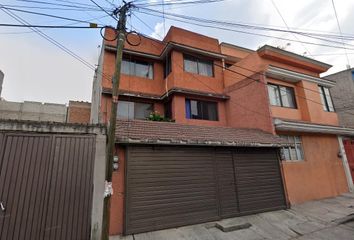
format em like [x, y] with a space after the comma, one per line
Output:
[79, 112]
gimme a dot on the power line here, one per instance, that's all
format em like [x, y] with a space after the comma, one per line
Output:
[110, 14]
[45, 14]
[281, 16]
[47, 26]
[340, 31]
[51, 40]
[53, 8]
[200, 22]
[72, 4]
[76, 3]
[177, 3]
[110, 3]
[251, 26]
[247, 77]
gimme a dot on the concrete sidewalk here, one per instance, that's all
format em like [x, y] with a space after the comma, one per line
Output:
[326, 219]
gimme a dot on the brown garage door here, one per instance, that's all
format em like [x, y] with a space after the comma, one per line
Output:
[175, 186]
[45, 186]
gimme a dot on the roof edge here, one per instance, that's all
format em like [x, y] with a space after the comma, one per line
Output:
[294, 55]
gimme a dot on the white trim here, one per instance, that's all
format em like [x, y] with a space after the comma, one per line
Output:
[282, 125]
[294, 77]
[346, 165]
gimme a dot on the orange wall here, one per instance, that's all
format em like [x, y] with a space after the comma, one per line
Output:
[255, 64]
[117, 199]
[193, 81]
[247, 107]
[192, 39]
[320, 175]
[133, 83]
[233, 51]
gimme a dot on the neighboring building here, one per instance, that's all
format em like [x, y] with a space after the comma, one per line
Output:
[343, 96]
[79, 112]
[1, 81]
[343, 99]
[33, 111]
[220, 156]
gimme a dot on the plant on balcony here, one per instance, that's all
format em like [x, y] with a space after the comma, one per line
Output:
[157, 117]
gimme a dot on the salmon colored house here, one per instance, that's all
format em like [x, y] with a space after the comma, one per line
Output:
[208, 131]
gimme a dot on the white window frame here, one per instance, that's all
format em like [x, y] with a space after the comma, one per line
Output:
[326, 99]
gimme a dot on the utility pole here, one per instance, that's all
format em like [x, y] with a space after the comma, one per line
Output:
[110, 149]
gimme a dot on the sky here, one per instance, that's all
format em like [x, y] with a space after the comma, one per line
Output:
[37, 70]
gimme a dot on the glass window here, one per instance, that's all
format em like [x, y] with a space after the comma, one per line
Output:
[294, 151]
[125, 110]
[274, 96]
[201, 110]
[168, 65]
[281, 96]
[137, 68]
[134, 110]
[326, 99]
[198, 66]
[190, 65]
[142, 110]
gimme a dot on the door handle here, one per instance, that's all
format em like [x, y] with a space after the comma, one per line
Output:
[2, 207]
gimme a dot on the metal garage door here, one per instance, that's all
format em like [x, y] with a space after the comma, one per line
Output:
[175, 186]
[45, 186]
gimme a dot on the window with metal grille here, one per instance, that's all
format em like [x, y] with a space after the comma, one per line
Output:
[294, 151]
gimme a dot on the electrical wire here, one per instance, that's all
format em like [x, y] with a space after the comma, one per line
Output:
[110, 14]
[52, 8]
[44, 14]
[243, 75]
[72, 5]
[51, 40]
[219, 25]
[47, 26]
[250, 70]
[287, 26]
[340, 31]
[149, 4]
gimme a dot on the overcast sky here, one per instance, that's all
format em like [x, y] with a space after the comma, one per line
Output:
[36, 70]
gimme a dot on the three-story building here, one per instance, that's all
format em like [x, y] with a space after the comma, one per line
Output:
[239, 131]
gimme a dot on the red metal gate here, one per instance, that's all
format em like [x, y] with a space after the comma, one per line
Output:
[45, 186]
[349, 151]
